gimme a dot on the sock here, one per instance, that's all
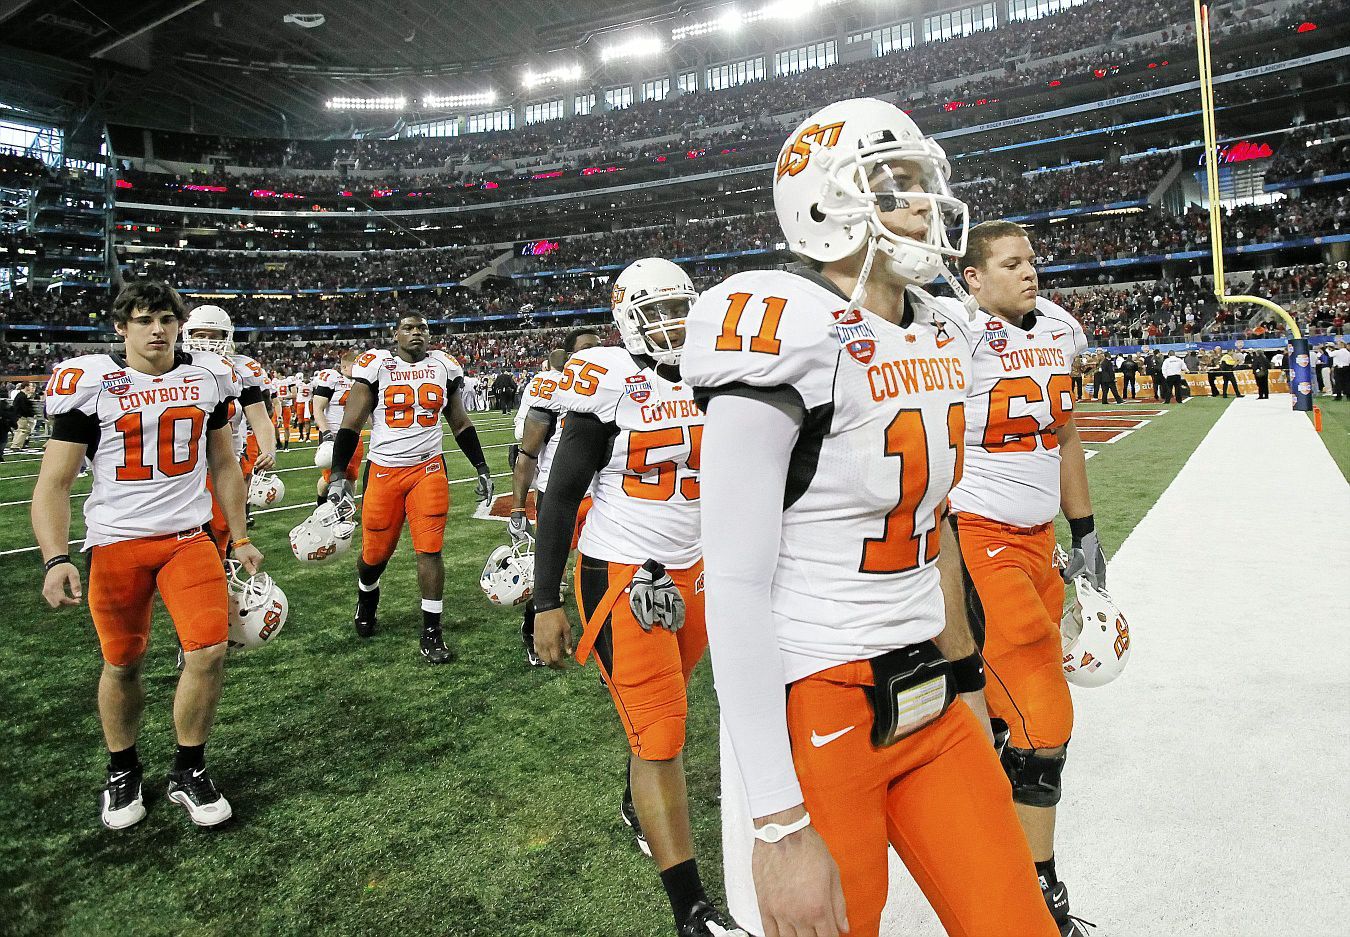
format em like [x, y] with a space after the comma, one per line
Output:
[1045, 871]
[125, 760]
[684, 888]
[189, 756]
[319, 502]
[431, 614]
[367, 598]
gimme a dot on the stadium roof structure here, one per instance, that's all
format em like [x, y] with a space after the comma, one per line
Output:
[265, 67]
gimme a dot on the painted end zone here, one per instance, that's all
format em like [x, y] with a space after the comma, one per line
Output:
[1112, 426]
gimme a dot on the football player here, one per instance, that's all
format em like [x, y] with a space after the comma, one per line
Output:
[153, 422]
[835, 422]
[286, 395]
[537, 436]
[407, 391]
[304, 404]
[332, 386]
[631, 435]
[209, 329]
[1024, 463]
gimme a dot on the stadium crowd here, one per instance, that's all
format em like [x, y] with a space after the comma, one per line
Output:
[308, 270]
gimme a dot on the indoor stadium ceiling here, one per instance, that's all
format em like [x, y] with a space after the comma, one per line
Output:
[242, 66]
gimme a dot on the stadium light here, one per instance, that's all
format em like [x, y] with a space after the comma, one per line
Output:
[561, 73]
[731, 20]
[478, 99]
[636, 47]
[367, 104]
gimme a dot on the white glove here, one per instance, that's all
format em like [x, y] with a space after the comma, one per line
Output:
[655, 600]
[485, 489]
[519, 527]
[1087, 559]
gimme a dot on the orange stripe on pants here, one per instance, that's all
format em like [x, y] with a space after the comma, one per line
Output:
[1023, 598]
[939, 797]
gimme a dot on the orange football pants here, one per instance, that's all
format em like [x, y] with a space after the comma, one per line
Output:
[418, 493]
[1022, 596]
[251, 452]
[186, 570]
[646, 672]
[354, 466]
[287, 415]
[939, 797]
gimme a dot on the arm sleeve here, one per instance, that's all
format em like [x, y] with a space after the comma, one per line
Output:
[75, 426]
[468, 443]
[344, 447]
[250, 395]
[747, 447]
[220, 416]
[324, 391]
[582, 450]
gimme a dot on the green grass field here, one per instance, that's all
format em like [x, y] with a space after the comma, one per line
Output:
[1336, 431]
[373, 793]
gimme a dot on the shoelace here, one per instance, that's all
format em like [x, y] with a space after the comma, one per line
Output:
[199, 787]
[1076, 920]
[122, 789]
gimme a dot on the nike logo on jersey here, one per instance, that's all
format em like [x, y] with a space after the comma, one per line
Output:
[821, 740]
[381, 474]
[193, 380]
[944, 342]
[992, 552]
[1058, 335]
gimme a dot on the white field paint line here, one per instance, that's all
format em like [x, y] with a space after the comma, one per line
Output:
[290, 507]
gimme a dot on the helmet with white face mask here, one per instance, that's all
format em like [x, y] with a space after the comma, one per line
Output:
[651, 301]
[853, 161]
[211, 318]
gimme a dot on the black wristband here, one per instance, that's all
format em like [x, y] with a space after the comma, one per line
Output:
[545, 607]
[968, 674]
[1080, 527]
[57, 561]
[467, 440]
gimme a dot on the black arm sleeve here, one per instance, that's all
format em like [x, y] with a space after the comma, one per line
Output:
[344, 447]
[251, 395]
[468, 443]
[220, 416]
[75, 426]
[584, 448]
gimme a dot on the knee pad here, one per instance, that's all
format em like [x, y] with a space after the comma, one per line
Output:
[663, 740]
[1035, 777]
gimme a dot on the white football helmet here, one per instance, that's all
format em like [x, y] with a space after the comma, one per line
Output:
[326, 533]
[508, 576]
[258, 607]
[323, 456]
[650, 302]
[1095, 637]
[265, 490]
[209, 317]
[845, 166]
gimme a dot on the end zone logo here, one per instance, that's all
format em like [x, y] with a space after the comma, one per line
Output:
[638, 387]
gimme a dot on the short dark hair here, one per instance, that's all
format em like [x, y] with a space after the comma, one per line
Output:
[570, 343]
[410, 315]
[983, 235]
[152, 295]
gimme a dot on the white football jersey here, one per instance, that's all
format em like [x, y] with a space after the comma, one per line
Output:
[148, 439]
[645, 499]
[340, 385]
[1021, 392]
[286, 390]
[304, 392]
[540, 392]
[251, 374]
[878, 453]
[409, 397]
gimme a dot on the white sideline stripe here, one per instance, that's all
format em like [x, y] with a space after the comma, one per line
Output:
[295, 468]
[1219, 755]
[290, 507]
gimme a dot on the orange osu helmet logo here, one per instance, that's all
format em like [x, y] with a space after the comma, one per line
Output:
[797, 154]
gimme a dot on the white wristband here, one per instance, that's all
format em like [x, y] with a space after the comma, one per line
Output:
[773, 832]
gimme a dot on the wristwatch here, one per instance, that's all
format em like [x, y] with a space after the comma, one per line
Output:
[773, 832]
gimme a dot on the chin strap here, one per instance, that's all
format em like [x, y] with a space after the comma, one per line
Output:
[860, 289]
[972, 307]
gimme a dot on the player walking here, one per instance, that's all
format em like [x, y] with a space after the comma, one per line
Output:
[209, 329]
[632, 435]
[153, 421]
[407, 391]
[332, 388]
[537, 435]
[304, 404]
[1024, 463]
[835, 425]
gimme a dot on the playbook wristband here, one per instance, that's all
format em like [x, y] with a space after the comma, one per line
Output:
[58, 560]
[467, 440]
[1080, 527]
[968, 674]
